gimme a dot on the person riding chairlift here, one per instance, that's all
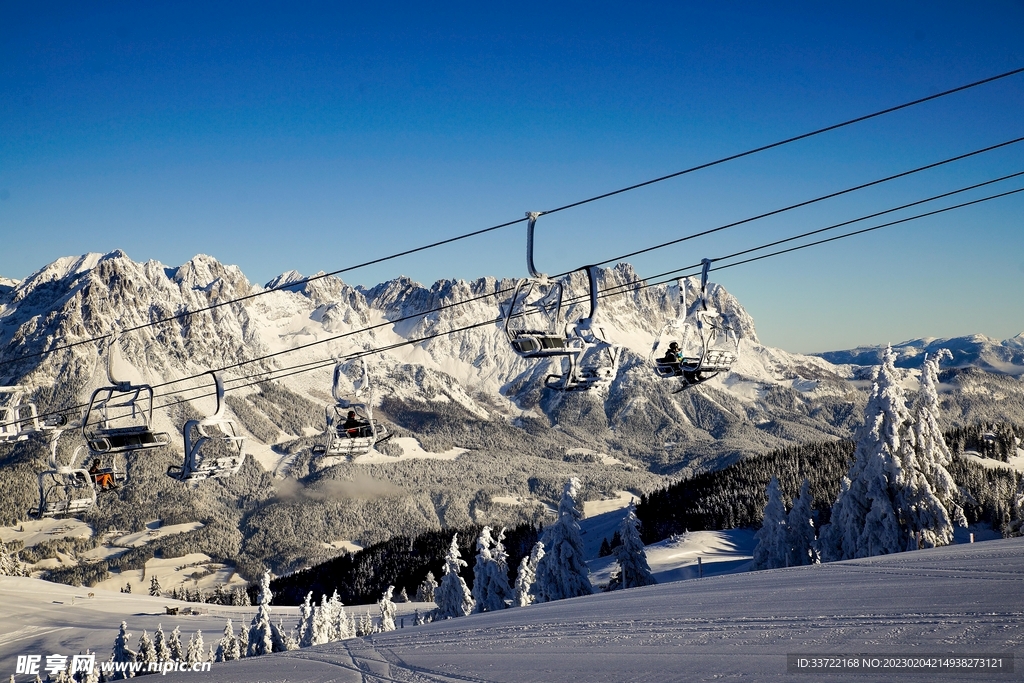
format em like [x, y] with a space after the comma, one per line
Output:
[680, 365]
[105, 480]
[354, 426]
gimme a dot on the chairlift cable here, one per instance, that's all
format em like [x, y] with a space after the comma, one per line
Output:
[509, 289]
[858, 220]
[638, 284]
[611, 291]
[788, 140]
[808, 202]
[692, 169]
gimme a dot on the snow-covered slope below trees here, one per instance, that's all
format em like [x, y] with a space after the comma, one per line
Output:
[961, 599]
[955, 600]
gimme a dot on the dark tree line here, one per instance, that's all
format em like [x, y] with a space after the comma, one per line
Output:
[990, 492]
[998, 440]
[735, 495]
[402, 562]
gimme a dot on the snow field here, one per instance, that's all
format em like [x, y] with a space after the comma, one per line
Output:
[35, 531]
[192, 571]
[39, 617]
[963, 599]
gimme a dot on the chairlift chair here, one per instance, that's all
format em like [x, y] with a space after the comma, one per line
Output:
[598, 362]
[123, 412]
[707, 345]
[533, 322]
[64, 489]
[355, 439]
[19, 418]
[535, 327]
[213, 448]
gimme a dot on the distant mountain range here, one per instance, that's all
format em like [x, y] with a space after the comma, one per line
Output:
[978, 351]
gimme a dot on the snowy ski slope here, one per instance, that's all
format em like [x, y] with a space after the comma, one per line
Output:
[964, 599]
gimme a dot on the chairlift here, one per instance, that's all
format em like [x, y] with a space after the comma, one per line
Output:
[351, 429]
[699, 347]
[598, 362]
[213, 447]
[64, 489]
[19, 418]
[533, 322]
[536, 328]
[123, 413]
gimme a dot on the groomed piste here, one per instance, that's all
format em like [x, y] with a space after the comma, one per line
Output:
[961, 599]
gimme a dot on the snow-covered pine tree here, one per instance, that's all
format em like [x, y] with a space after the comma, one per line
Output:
[305, 627]
[90, 676]
[334, 608]
[279, 637]
[154, 586]
[864, 518]
[527, 576]
[402, 596]
[160, 648]
[240, 597]
[929, 504]
[633, 568]
[481, 569]
[321, 622]
[227, 646]
[1015, 527]
[147, 652]
[365, 626]
[500, 555]
[387, 610]
[488, 592]
[772, 549]
[345, 623]
[425, 592]
[452, 596]
[10, 565]
[196, 650]
[121, 652]
[563, 572]
[800, 538]
[261, 639]
[174, 645]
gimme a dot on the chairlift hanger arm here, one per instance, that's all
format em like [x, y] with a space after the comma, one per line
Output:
[531, 226]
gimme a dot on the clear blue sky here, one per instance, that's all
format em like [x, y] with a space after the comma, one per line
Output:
[313, 136]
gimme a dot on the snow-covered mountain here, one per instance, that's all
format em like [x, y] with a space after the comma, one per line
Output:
[977, 350]
[75, 299]
[478, 437]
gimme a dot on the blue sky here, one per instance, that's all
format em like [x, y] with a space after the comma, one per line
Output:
[314, 136]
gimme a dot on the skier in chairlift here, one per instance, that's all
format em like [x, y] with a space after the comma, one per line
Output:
[103, 479]
[681, 365]
[672, 357]
[354, 426]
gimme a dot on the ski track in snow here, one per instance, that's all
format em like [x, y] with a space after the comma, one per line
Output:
[965, 599]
